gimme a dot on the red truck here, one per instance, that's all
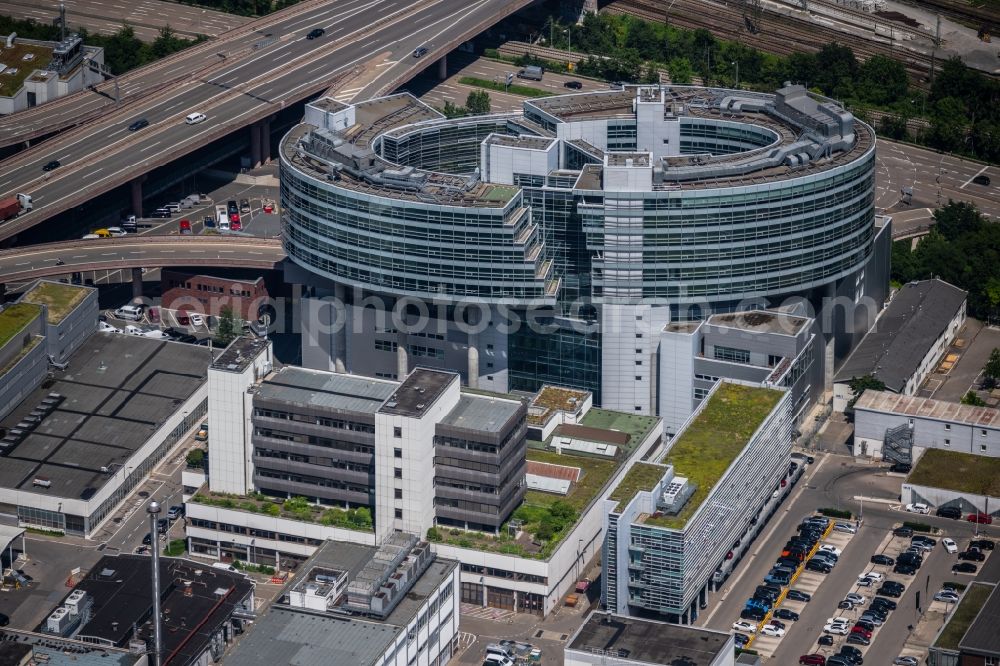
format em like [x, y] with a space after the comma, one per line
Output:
[13, 206]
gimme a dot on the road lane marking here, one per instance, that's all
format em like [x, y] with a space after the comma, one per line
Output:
[962, 187]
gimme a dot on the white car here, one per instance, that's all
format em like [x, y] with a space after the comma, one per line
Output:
[872, 576]
[105, 327]
[838, 620]
[918, 508]
[947, 596]
[745, 627]
[134, 330]
[197, 320]
[950, 545]
[771, 630]
[856, 599]
[117, 232]
[831, 549]
[905, 661]
[839, 629]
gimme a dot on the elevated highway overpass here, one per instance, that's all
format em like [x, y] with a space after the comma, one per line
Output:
[20, 265]
[368, 44]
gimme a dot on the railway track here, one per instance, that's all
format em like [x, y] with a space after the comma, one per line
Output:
[778, 33]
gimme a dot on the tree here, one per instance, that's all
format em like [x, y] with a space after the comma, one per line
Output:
[948, 124]
[992, 368]
[452, 111]
[836, 70]
[972, 398]
[229, 326]
[859, 385]
[680, 71]
[195, 458]
[478, 102]
[882, 80]
[957, 218]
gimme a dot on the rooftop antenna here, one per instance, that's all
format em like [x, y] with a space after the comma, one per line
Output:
[62, 22]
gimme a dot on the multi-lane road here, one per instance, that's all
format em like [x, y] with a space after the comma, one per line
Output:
[146, 17]
[366, 40]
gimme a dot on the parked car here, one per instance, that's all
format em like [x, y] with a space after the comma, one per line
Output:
[981, 518]
[845, 527]
[901, 468]
[891, 589]
[964, 567]
[742, 625]
[813, 659]
[906, 661]
[853, 654]
[846, 605]
[838, 629]
[786, 614]
[947, 596]
[856, 598]
[883, 559]
[755, 614]
[903, 531]
[771, 630]
[147, 540]
[952, 512]
[245, 205]
[921, 538]
[740, 639]
[573, 85]
[870, 578]
[175, 512]
[904, 569]
[208, 222]
[830, 549]
[859, 639]
[818, 566]
[918, 507]
[797, 595]
[981, 544]
[950, 545]
[882, 602]
[197, 319]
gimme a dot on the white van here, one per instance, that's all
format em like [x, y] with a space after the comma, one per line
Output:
[194, 118]
[223, 565]
[129, 312]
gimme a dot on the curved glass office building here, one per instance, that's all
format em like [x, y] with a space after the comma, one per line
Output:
[554, 245]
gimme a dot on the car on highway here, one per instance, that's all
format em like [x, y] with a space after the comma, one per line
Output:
[950, 545]
[315, 33]
[197, 319]
[918, 507]
[244, 205]
[883, 560]
[195, 118]
[184, 227]
[162, 212]
[771, 630]
[138, 125]
[268, 208]
[786, 614]
[813, 660]
[797, 595]
[116, 232]
[906, 661]
[742, 625]
[981, 518]
[52, 165]
[972, 555]
[947, 596]
[420, 52]
[981, 179]
[573, 85]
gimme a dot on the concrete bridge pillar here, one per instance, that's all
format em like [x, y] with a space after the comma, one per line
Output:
[265, 140]
[443, 67]
[136, 283]
[255, 145]
[137, 196]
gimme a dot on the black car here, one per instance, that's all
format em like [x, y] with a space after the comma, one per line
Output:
[952, 512]
[138, 125]
[852, 653]
[162, 525]
[964, 567]
[882, 602]
[754, 614]
[766, 592]
[162, 212]
[857, 639]
[786, 614]
[245, 206]
[825, 639]
[982, 544]
[903, 532]
[891, 589]
[911, 559]
[4, 620]
[147, 540]
[920, 538]
[901, 468]
[973, 555]
[420, 52]
[883, 559]
[51, 166]
[739, 639]
[316, 32]
[981, 179]
[574, 85]
[819, 567]
[905, 569]
[796, 595]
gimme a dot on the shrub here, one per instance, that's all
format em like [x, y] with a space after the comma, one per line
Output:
[175, 548]
[249, 506]
[433, 534]
[835, 513]
[918, 527]
[296, 504]
[271, 509]
[195, 458]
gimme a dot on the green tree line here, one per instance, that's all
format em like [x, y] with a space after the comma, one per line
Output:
[122, 50]
[962, 106]
[963, 248]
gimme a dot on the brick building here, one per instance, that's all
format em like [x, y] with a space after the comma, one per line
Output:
[208, 294]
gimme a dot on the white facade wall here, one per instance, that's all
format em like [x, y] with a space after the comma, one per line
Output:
[47, 86]
[334, 120]
[416, 442]
[659, 135]
[501, 162]
[935, 353]
[677, 353]
[594, 132]
[940, 496]
[928, 433]
[440, 629]
[629, 356]
[230, 408]
[627, 178]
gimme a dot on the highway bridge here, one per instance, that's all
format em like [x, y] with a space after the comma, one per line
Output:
[368, 44]
[20, 265]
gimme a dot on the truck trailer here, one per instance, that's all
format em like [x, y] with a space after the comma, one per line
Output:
[13, 206]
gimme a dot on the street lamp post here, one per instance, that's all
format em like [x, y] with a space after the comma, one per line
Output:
[154, 511]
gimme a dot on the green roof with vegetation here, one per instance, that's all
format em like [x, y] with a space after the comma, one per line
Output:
[710, 443]
[954, 470]
[961, 619]
[633, 424]
[295, 508]
[59, 298]
[13, 58]
[14, 318]
[642, 476]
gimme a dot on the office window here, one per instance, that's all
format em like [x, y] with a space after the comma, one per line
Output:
[397, 453]
[947, 427]
[638, 362]
[638, 351]
[638, 408]
[398, 492]
[982, 448]
[638, 378]
[399, 513]
[773, 360]
[398, 473]
[947, 442]
[638, 335]
[731, 354]
[982, 433]
[397, 431]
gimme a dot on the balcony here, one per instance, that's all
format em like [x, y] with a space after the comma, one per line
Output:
[312, 469]
[298, 488]
[312, 450]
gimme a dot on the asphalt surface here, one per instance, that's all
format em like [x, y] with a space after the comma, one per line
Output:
[146, 17]
[138, 252]
[836, 480]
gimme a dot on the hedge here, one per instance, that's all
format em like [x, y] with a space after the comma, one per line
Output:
[918, 527]
[835, 513]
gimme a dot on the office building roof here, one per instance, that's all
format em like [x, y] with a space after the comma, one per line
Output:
[315, 388]
[649, 642]
[14, 317]
[15, 645]
[760, 321]
[904, 333]
[286, 635]
[196, 599]
[59, 298]
[482, 413]
[116, 391]
[982, 636]
[964, 615]
[928, 408]
[419, 391]
[240, 353]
